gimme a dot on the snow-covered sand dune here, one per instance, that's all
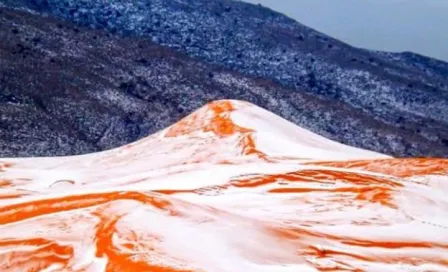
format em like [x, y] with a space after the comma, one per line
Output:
[231, 187]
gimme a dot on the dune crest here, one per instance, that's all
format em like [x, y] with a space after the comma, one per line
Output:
[231, 187]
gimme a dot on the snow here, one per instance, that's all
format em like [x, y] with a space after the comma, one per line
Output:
[231, 187]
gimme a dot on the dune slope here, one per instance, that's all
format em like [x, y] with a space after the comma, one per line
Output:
[231, 187]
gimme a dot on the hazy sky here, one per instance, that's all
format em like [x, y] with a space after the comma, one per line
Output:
[420, 26]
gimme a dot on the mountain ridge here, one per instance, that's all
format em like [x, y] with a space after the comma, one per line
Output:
[381, 117]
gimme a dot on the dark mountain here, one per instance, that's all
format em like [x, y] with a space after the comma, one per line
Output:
[98, 79]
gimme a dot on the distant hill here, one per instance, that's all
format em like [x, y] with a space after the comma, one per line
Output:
[104, 76]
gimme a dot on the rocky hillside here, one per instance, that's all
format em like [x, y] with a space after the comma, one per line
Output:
[104, 76]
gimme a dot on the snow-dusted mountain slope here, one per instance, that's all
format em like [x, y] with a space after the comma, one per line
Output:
[231, 187]
[107, 73]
